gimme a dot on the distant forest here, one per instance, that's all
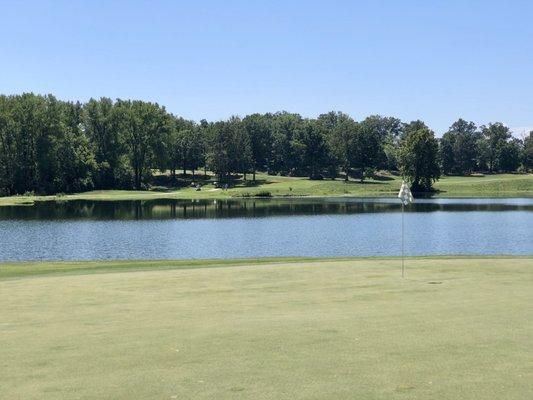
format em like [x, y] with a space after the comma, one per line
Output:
[51, 146]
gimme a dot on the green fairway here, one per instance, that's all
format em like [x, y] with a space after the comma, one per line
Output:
[456, 328]
[506, 185]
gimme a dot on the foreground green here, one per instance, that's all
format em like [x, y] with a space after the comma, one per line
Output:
[502, 185]
[455, 328]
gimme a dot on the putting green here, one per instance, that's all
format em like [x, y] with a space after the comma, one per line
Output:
[456, 328]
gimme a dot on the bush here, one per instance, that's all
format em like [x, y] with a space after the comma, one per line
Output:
[262, 193]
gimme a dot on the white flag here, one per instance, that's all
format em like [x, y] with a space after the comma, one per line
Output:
[405, 194]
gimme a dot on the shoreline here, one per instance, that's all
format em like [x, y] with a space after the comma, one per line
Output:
[281, 187]
[27, 201]
[27, 269]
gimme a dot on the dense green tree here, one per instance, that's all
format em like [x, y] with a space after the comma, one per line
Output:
[185, 147]
[229, 149]
[458, 148]
[390, 131]
[309, 144]
[218, 154]
[496, 136]
[384, 126]
[391, 149]
[527, 153]
[369, 145]
[465, 151]
[240, 148]
[196, 152]
[482, 154]
[259, 130]
[341, 132]
[509, 155]
[27, 114]
[412, 126]
[419, 159]
[44, 148]
[49, 135]
[142, 128]
[101, 127]
[282, 156]
[9, 157]
[75, 157]
[446, 147]
[176, 155]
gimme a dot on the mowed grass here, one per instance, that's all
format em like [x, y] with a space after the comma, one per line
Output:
[507, 185]
[455, 328]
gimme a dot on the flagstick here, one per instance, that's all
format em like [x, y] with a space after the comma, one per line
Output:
[403, 206]
[406, 197]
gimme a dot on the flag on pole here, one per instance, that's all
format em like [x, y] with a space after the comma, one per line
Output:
[405, 194]
[406, 197]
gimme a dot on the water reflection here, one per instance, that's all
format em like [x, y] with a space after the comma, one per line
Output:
[247, 208]
[84, 230]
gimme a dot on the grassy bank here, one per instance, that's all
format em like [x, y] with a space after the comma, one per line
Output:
[284, 329]
[503, 185]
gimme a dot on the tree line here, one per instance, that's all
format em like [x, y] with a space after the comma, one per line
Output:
[52, 146]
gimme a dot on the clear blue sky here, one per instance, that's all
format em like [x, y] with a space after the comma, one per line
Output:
[433, 60]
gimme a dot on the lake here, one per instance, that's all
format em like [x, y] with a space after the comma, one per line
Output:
[325, 227]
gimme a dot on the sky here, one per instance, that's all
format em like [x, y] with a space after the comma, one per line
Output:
[430, 60]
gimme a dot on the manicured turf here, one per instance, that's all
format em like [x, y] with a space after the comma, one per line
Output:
[509, 185]
[456, 328]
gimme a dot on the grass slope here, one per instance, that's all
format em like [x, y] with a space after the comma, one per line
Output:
[510, 185]
[329, 329]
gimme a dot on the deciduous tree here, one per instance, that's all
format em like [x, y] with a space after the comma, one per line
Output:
[418, 159]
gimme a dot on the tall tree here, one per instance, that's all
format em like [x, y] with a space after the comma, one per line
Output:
[259, 130]
[27, 123]
[75, 158]
[9, 158]
[282, 157]
[419, 159]
[142, 128]
[370, 139]
[495, 135]
[230, 148]
[177, 147]
[527, 153]
[458, 148]
[446, 150]
[241, 148]
[412, 126]
[310, 146]
[102, 130]
[341, 131]
[390, 132]
[509, 155]
[196, 153]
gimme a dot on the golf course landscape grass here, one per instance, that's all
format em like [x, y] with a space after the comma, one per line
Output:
[454, 328]
[498, 185]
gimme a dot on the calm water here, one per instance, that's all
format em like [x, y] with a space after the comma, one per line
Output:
[258, 228]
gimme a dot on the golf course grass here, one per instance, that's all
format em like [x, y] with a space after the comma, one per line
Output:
[498, 185]
[455, 328]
